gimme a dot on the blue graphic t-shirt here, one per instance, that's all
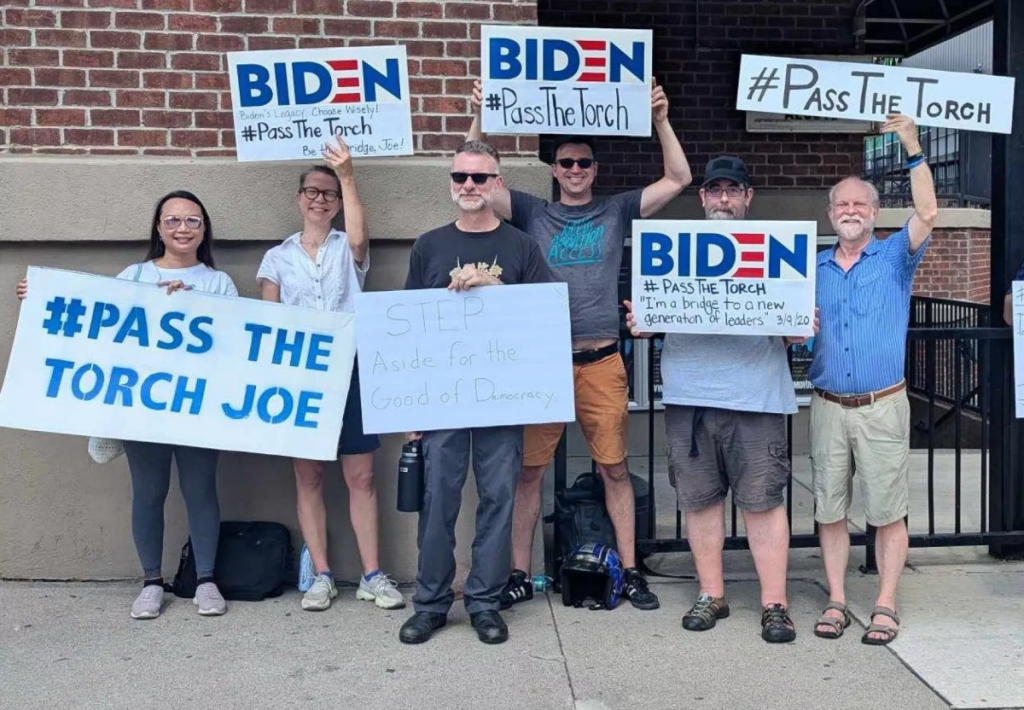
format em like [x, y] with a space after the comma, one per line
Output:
[583, 247]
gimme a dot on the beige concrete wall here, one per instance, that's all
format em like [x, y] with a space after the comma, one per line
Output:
[63, 516]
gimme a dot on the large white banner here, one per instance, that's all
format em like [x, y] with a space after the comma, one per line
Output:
[1017, 289]
[438, 359]
[566, 80]
[737, 277]
[814, 87]
[288, 103]
[107, 357]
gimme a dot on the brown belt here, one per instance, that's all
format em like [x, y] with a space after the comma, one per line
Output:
[860, 400]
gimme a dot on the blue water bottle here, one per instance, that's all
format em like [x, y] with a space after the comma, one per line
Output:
[541, 583]
[306, 571]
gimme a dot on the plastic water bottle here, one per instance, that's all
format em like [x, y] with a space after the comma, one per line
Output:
[541, 583]
[306, 571]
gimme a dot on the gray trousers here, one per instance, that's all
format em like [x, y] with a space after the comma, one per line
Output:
[497, 461]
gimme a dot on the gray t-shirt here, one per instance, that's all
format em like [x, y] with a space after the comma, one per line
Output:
[583, 247]
[745, 373]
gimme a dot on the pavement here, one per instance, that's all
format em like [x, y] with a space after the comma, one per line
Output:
[73, 645]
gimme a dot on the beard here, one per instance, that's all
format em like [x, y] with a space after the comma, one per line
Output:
[854, 230]
[469, 203]
[726, 212]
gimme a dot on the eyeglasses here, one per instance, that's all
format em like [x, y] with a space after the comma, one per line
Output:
[312, 193]
[567, 163]
[173, 222]
[731, 191]
[478, 178]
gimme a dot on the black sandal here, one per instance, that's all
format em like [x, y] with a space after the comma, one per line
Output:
[776, 625]
[890, 631]
[838, 624]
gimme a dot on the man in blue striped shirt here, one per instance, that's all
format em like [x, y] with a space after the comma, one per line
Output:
[860, 404]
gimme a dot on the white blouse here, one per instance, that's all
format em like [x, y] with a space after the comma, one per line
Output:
[328, 283]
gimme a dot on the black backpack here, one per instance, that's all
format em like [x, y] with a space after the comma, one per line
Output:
[254, 562]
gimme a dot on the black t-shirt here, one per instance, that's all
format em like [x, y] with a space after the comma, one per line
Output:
[506, 252]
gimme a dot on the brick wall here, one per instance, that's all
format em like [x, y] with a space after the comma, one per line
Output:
[696, 57]
[956, 265]
[149, 76]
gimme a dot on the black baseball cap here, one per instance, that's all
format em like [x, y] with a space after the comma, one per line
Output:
[726, 167]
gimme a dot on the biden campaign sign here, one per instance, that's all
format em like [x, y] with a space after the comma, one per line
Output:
[566, 80]
[97, 356]
[712, 276]
[288, 103]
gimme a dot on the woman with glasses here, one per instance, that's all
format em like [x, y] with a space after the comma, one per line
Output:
[180, 258]
[324, 268]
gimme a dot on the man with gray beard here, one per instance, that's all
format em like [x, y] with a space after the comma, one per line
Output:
[726, 399]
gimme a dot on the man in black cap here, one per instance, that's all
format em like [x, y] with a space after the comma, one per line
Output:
[726, 399]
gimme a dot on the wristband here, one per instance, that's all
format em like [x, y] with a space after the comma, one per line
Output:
[914, 160]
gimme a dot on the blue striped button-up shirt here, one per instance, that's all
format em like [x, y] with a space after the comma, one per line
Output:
[862, 337]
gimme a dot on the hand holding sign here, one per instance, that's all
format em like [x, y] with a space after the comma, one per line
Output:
[659, 103]
[905, 129]
[338, 158]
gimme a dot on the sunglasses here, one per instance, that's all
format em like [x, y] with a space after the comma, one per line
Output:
[173, 222]
[478, 178]
[567, 163]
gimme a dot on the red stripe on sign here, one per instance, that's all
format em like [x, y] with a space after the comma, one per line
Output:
[343, 64]
[347, 99]
[751, 256]
[591, 76]
[594, 62]
[749, 238]
[749, 273]
[348, 83]
[591, 45]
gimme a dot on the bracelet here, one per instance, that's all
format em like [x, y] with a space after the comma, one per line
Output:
[917, 160]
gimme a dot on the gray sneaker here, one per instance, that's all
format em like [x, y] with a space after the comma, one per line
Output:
[209, 600]
[147, 605]
[380, 590]
[319, 596]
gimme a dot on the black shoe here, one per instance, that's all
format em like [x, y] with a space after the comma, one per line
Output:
[705, 613]
[420, 626]
[518, 588]
[637, 591]
[490, 627]
[776, 626]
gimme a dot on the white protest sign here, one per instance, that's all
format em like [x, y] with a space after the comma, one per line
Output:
[97, 356]
[288, 103]
[566, 80]
[812, 87]
[1017, 288]
[438, 359]
[730, 276]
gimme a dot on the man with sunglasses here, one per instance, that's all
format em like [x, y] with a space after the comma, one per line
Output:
[582, 237]
[477, 249]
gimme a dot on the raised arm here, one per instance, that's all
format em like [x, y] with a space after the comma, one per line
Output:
[677, 167]
[922, 187]
[340, 161]
[502, 203]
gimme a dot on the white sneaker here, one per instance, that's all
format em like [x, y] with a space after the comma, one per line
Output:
[209, 600]
[147, 605]
[320, 594]
[380, 590]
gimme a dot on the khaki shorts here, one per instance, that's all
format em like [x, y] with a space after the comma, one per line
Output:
[602, 410]
[878, 437]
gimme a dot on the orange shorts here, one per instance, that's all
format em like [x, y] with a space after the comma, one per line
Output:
[602, 410]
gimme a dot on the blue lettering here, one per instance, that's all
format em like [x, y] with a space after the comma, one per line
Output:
[181, 393]
[705, 240]
[146, 393]
[531, 60]
[243, 411]
[282, 346]
[168, 328]
[258, 331]
[134, 326]
[315, 351]
[305, 408]
[778, 253]
[204, 338]
[253, 85]
[281, 78]
[325, 82]
[550, 48]
[122, 379]
[390, 82]
[619, 60]
[104, 315]
[263, 405]
[504, 58]
[655, 254]
[76, 382]
[59, 367]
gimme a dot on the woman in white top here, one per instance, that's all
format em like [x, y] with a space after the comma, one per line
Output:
[180, 258]
[323, 268]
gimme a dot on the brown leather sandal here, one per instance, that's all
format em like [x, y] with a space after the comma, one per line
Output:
[838, 625]
[890, 631]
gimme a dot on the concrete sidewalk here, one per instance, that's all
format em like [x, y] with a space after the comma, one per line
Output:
[73, 645]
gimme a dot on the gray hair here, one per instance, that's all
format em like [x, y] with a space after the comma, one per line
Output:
[479, 148]
[875, 202]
